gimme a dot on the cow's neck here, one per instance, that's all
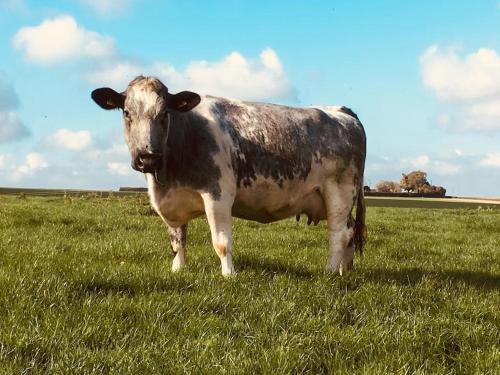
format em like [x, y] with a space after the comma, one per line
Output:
[181, 139]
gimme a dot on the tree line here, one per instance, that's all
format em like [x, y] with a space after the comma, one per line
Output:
[413, 182]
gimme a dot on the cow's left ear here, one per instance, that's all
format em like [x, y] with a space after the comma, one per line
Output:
[108, 98]
[183, 101]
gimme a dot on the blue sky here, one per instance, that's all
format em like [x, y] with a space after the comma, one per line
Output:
[423, 76]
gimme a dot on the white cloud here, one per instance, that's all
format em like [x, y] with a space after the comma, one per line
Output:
[33, 163]
[62, 39]
[94, 168]
[118, 168]
[475, 76]
[11, 127]
[71, 140]
[491, 160]
[117, 74]
[233, 76]
[108, 7]
[470, 85]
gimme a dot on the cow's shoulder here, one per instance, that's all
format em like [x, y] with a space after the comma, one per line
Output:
[337, 112]
[348, 111]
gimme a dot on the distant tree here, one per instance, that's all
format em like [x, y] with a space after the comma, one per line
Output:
[414, 181]
[366, 189]
[432, 189]
[441, 190]
[387, 187]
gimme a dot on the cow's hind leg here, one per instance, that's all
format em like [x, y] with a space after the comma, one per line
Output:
[339, 200]
[219, 218]
[178, 244]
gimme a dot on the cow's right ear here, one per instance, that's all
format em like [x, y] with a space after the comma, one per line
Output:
[108, 98]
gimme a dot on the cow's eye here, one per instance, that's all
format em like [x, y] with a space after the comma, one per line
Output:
[126, 114]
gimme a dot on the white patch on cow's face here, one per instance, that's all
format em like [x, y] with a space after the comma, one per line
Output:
[145, 101]
[144, 120]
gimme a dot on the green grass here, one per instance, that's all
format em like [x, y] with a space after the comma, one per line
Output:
[85, 286]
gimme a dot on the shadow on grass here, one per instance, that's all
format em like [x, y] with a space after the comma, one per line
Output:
[412, 276]
[129, 288]
[271, 267]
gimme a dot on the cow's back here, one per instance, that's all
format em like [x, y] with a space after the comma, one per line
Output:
[282, 143]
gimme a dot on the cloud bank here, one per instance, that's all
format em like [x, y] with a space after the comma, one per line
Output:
[233, 76]
[71, 140]
[61, 39]
[469, 85]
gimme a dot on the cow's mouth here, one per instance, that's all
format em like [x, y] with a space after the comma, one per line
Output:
[147, 162]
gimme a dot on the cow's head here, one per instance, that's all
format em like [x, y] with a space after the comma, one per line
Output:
[146, 105]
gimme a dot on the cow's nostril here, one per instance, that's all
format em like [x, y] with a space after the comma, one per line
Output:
[148, 162]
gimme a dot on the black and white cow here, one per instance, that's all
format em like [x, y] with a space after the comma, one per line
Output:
[256, 161]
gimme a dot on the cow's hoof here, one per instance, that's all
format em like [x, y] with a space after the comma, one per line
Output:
[340, 268]
[341, 261]
[178, 263]
[228, 272]
[345, 269]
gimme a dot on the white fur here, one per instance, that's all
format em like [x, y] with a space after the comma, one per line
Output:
[220, 221]
[149, 99]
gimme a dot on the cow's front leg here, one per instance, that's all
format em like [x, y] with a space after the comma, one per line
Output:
[219, 218]
[178, 244]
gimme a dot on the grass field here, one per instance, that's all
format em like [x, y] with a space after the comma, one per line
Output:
[85, 286]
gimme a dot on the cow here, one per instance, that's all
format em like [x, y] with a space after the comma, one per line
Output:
[262, 162]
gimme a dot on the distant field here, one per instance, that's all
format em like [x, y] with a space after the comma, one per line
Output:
[401, 202]
[86, 287]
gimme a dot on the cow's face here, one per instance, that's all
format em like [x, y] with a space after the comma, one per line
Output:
[146, 106]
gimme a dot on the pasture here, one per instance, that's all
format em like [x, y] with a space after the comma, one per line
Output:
[86, 286]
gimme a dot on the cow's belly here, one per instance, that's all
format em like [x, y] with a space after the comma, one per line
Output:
[265, 201]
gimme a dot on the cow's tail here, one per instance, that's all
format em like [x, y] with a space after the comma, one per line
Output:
[359, 236]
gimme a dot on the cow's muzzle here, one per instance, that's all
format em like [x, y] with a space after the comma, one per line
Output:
[147, 162]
